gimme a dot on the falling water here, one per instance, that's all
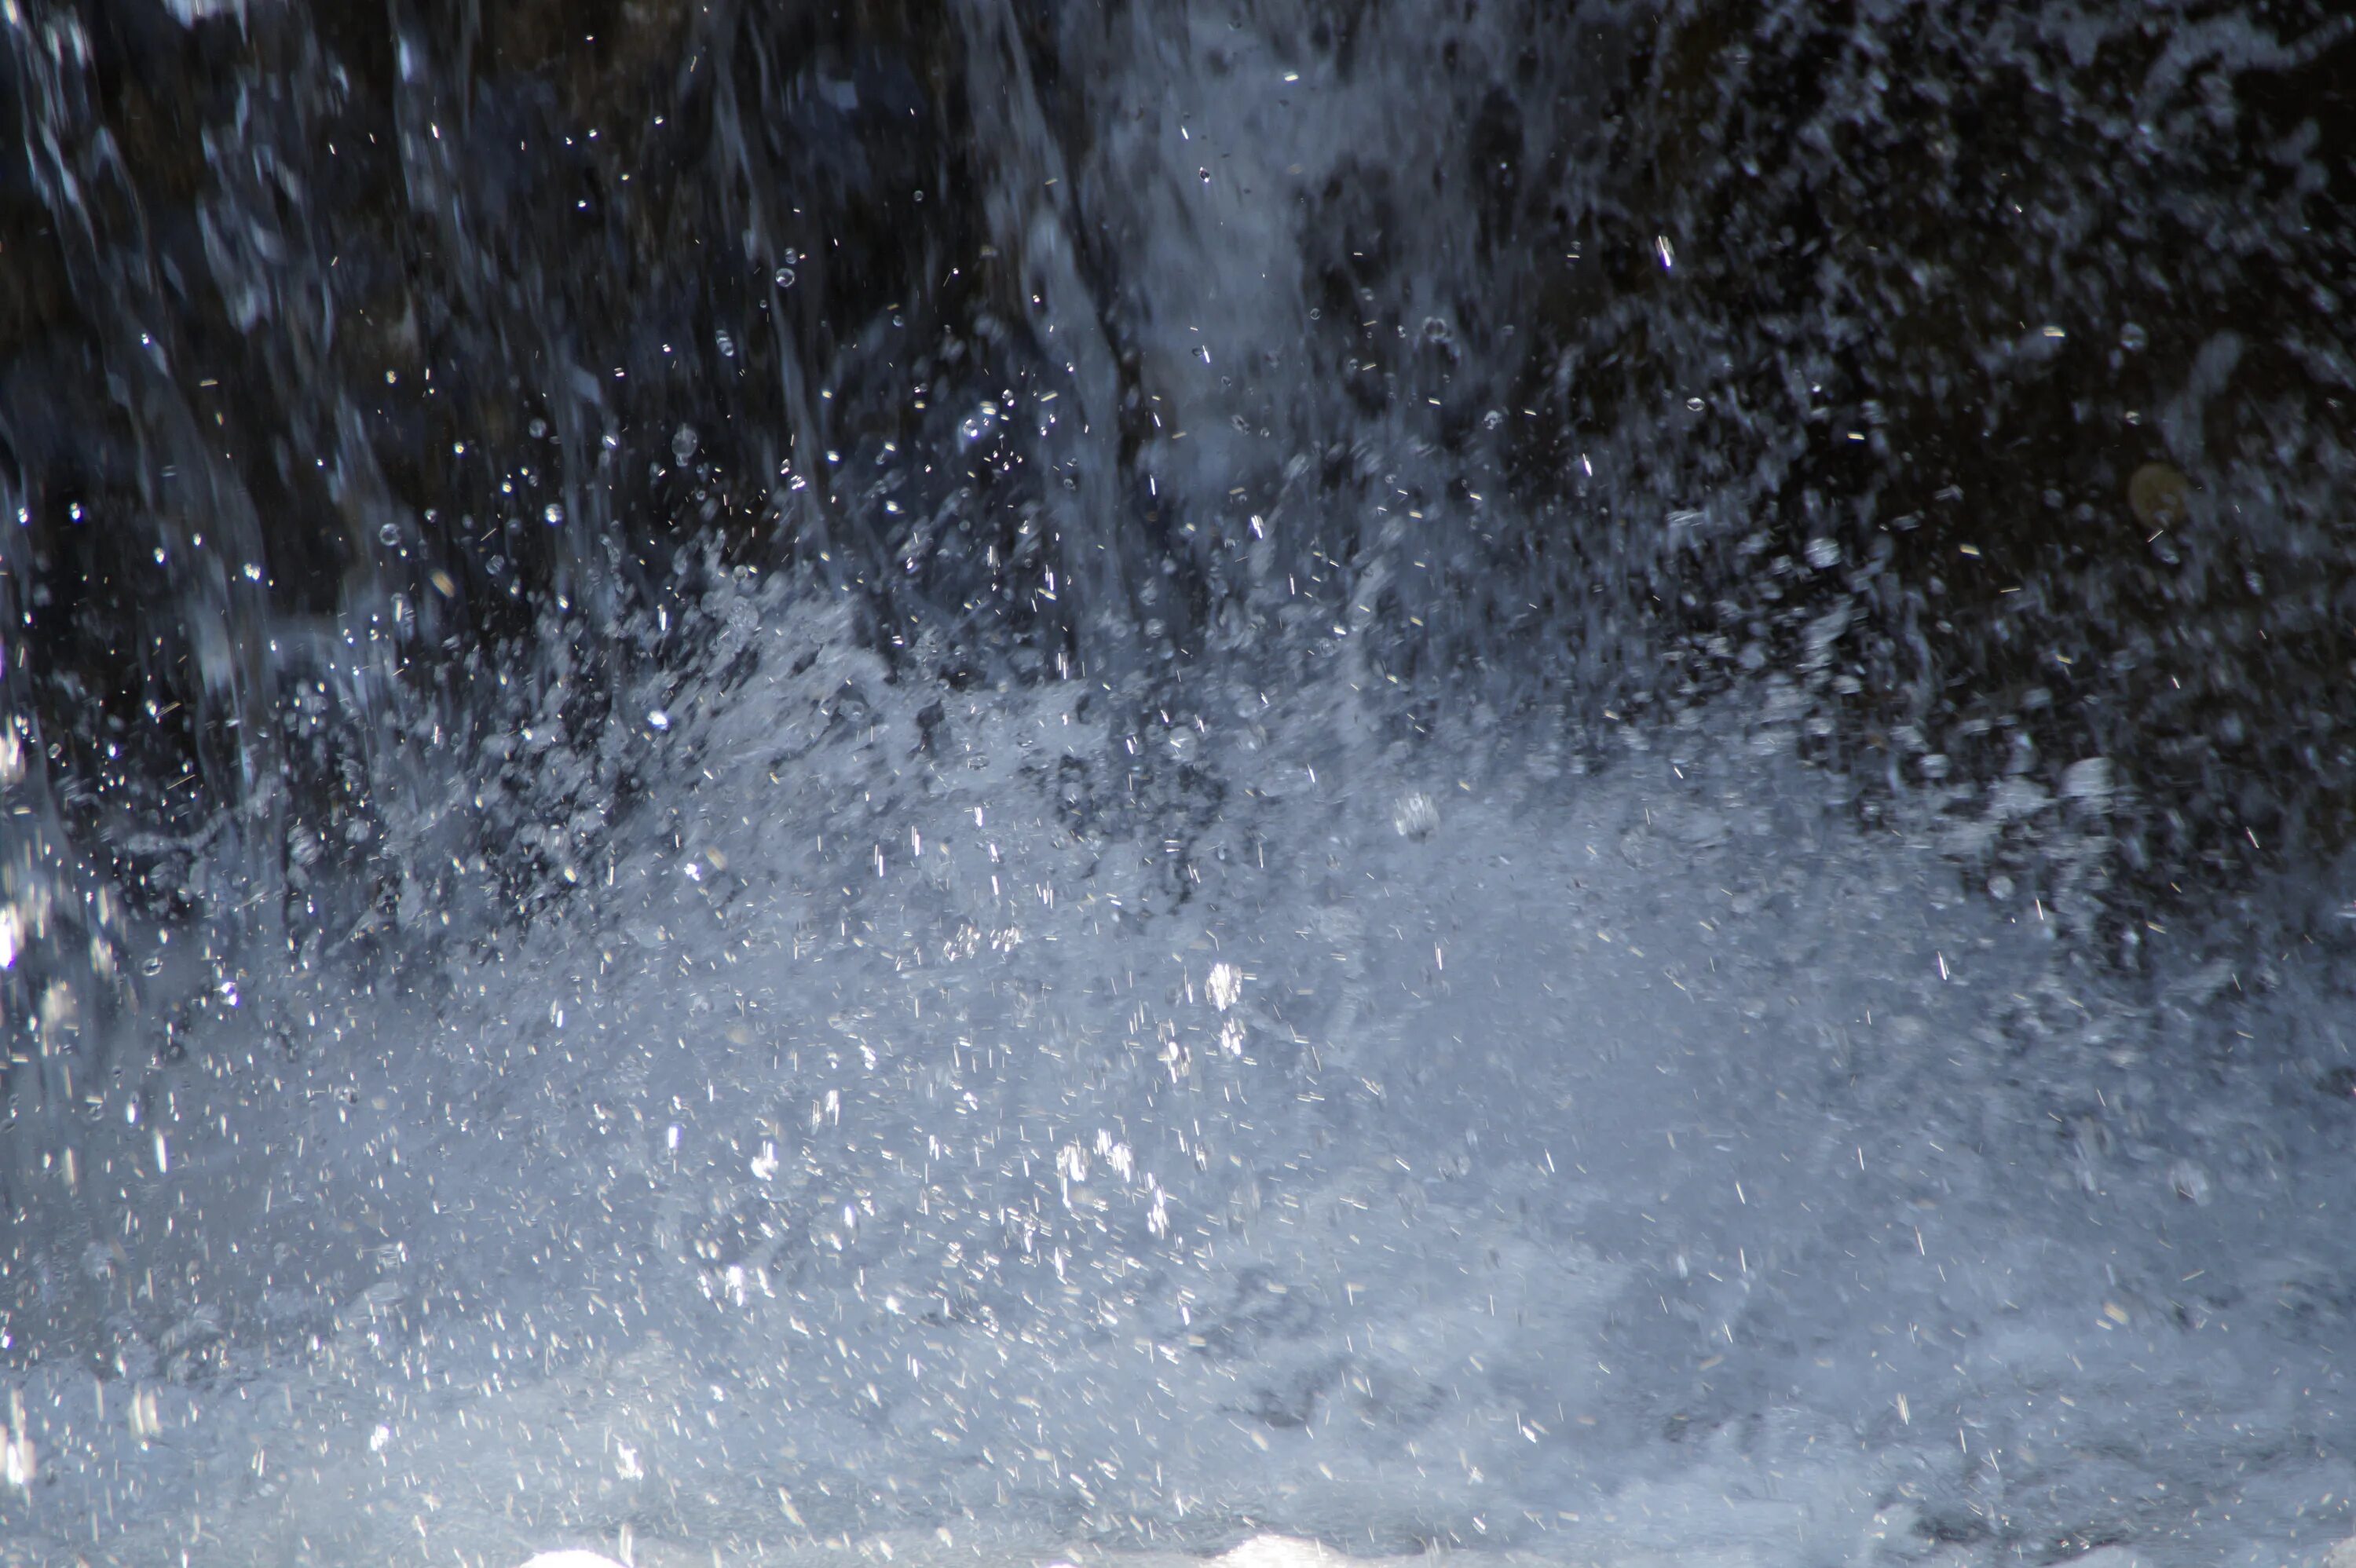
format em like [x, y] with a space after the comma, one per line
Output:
[448, 449]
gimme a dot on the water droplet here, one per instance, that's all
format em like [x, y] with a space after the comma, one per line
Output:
[1415, 815]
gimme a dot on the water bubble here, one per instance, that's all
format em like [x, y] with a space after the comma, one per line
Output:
[658, 719]
[1696, 404]
[1493, 418]
[554, 514]
[2133, 338]
[725, 343]
[1823, 554]
[539, 428]
[388, 535]
[683, 443]
[783, 277]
